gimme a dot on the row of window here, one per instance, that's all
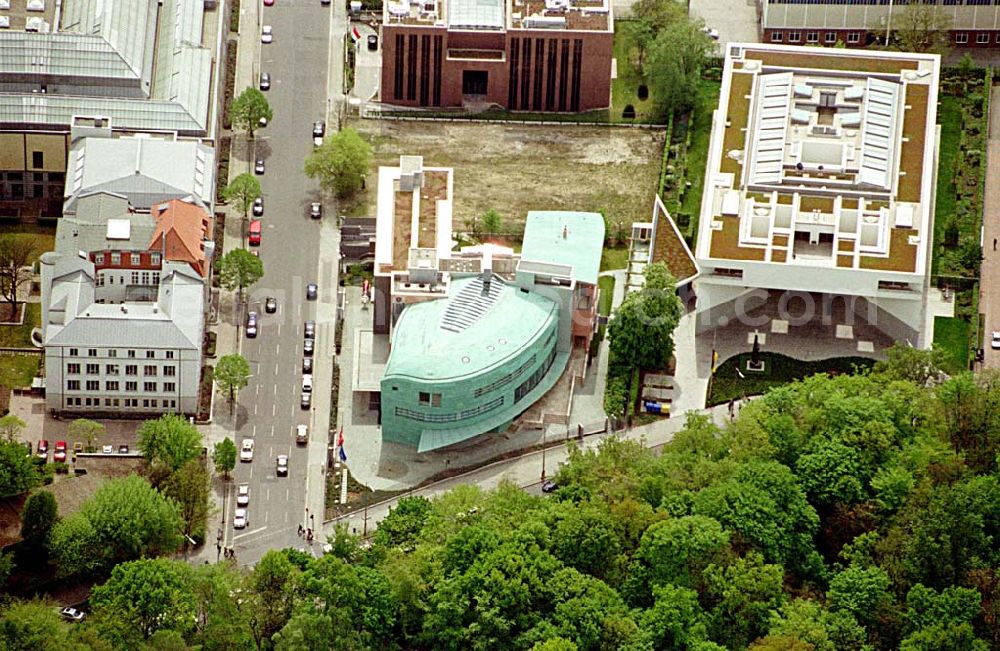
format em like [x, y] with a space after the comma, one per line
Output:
[452, 417]
[114, 385]
[135, 259]
[536, 377]
[507, 379]
[112, 352]
[813, 37]
[117, 402]
[137, 278]
[130, 369]
[885, 2]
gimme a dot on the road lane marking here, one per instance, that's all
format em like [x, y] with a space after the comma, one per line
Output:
[275, 389]
[274, 405]
[249, 533]
[268, 497]
[277, 349]
[251, 472]
[254, 429]
[266, 516]
[276, 368]
[288, 495]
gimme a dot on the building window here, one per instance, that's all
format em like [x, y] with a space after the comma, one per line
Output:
[150, 354]
[169, 387]
[525, 387]
[135, 260]
[131, 369]
[149, 370]
[149, 387]
[154, 258]
[112, 353]
[812, 37]
[38, 159]
[72, 385]
[135, 277]
[170, 371]
[853, 37]
[982, 38]
[794, 37]
[93, 385]
[91, 352]
[131, 386]
[145, 277]
[73, 352]
[100, 280]
[93, 369]
[131, 354]
[116, 258]
[962, 37]
[145, 402]
[111, 385]
[170, 354]
[830, 37]
[99, 258]
[777, 36]
[73, 369]
[111, 369]
[425, 398]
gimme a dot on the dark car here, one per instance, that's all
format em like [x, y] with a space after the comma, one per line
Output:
[549, 486]
[270, 305]
[306, 401]
[122, 449]
[258, 206]
[310, 330]
[43, 449]
[265, 81]
[307, 365]
[258, 167]
[308, 347]
[372, 42]
[311, 290]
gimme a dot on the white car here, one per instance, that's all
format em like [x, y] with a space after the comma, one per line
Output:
[243, 495]
[71, 614]
[240, 519]
[266, 34]
[282, 465]
[712, 33]
[302, 434]
[246, 451]
[996, 339]
[307, 383]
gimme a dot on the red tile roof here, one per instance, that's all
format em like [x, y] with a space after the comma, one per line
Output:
[184, 226]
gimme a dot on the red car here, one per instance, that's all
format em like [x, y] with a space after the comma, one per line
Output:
[43, 449]
[268, 3]
[255, 231]
[59, 456]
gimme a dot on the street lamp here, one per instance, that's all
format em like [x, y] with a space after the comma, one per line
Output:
[544, 436]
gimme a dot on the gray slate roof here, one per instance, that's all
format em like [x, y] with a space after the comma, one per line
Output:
[87, 230]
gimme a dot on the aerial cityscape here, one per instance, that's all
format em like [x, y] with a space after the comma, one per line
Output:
[548, 325]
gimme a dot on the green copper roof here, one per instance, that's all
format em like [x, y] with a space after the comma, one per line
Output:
[468, 332]
[575, 239]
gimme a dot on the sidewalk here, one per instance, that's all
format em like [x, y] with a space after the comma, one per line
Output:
[989, 287]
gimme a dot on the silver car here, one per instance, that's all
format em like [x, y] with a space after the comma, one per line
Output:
[243, 495]
[240, 519]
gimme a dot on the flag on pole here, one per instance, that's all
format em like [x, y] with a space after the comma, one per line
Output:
[340, 438]
[355, 34]
[343, 455]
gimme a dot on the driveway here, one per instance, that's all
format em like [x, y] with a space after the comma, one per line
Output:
[736, 20]
[367, 65]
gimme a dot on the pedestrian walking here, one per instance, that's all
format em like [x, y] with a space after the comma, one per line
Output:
[732, 408]
[300, 531]
[994, 244]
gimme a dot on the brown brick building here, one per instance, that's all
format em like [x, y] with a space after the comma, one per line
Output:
[524, 55]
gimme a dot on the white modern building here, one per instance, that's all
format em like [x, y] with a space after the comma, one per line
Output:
[819, 189]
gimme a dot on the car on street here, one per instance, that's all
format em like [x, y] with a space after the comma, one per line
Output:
[243, 495]
[251, 325]
[282, 465]
[306, 401]
[316, 210]
[71, 614]
[319, 129]
[301, 434]
[246, 450]
[265, 81]
[311, 290]
[372, 42]
[258, 206]
[122, 449]
[549, 486]
[270, 305]
[310, 330]
[43, 449]
[59, 456]
[307, 383]
[258, 167]
[325, 3]
[108, 449]
[255, 231]
[307, 365]
[266, 34]
[309, 347]
[996, 339]
[240, 519]
[711, 32]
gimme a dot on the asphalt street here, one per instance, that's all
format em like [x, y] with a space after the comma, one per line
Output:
[269, 407]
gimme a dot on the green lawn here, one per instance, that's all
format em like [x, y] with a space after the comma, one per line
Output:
[614, 259]
[952, 336]
[44, 237]
[18, 370]
[625, 88]
[20, 336]
[697, 154]
[779, 369]
[607, 285]
[950, 119]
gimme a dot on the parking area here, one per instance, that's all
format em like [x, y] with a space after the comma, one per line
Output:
[736, 20]
[367, 63]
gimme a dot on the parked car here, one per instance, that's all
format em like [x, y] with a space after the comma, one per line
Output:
[258, 167]
[258, 206]
[307, 383]
[265, 81]
[282, 465]
[319, 128]
[712, 32]
[309, 347]
[122, 449]
[549, 486]
[71, 614]
[59, 456]
[251, 325]
[240, 519]
[310, 330]
[270, 305]
[243, 495]
[268, 3]
[255, 230]
[996, 339]
[246, 450]
[43, 449]
[266, 34]
[316, 210]
[311, 290]
[107, 449]
[301, 434]
[372, 42]
[307, 365]
[306, 401]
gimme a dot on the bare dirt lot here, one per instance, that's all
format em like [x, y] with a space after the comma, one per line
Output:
[516, 168]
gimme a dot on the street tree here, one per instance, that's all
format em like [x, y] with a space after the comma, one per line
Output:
[16, 255]
[341, 163]
[31, 625]
[87, 430]
[18, 472]
[11, 427]
[40, 514]
[242, 191]
[224, 456]
[169, 441]
[248, 109]
[921, 28]
[652, 17]
[674, 65]
[272, 588]
[239, 269]
[189, 487]
[232, 373]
